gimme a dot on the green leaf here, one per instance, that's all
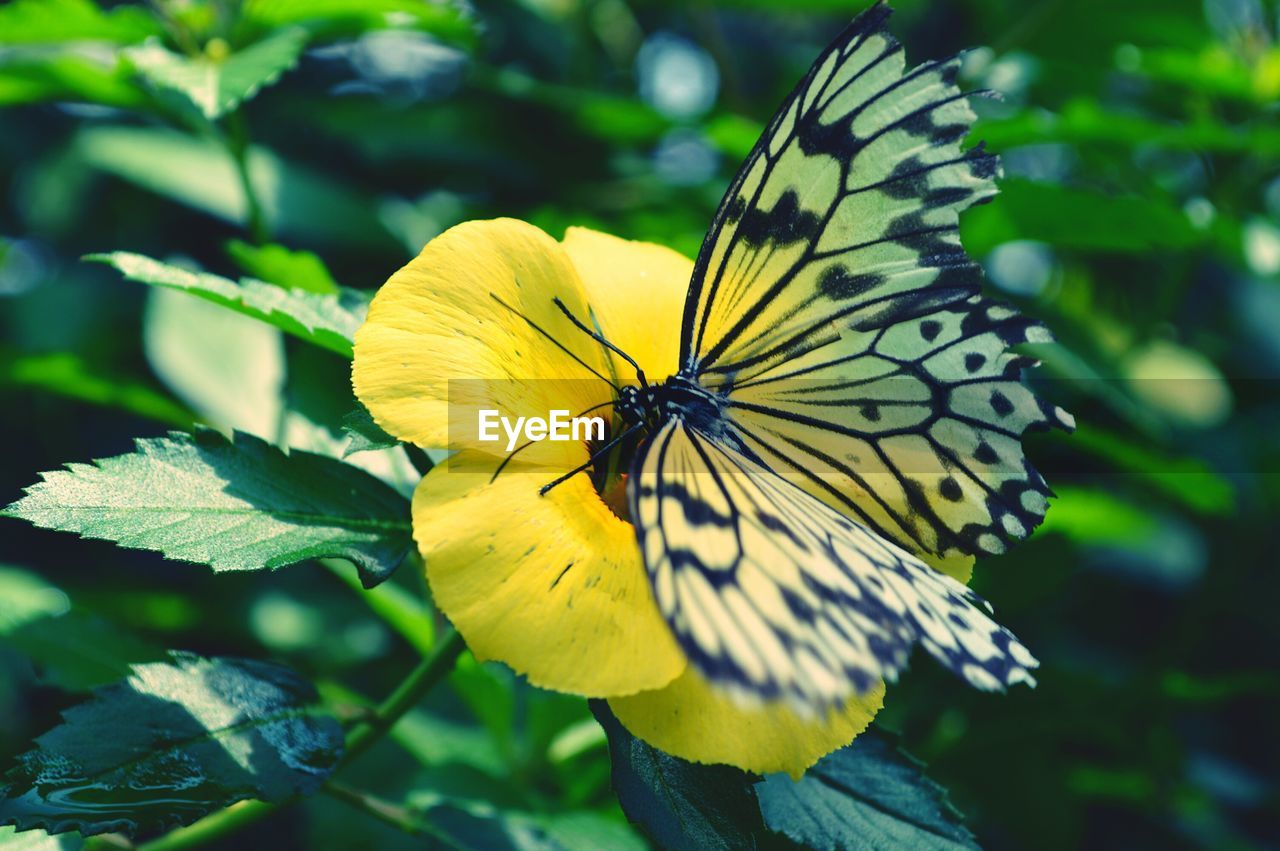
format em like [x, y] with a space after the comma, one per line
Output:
[70, 648]
[65, 76]
[478, 826]
[436, 741]
[397, 607]
[1098, 517]
[217, 86]
[867, 795]
[57, 21]
[679, 804]
[1086, 122]
[1076, 218]
[37, 840]
[337, 18]
[228, 367]
[1188, 480]
[1216, 70]
[241, 505]
[324, 320]
[78, 651]
[172, 742]
[364, 433]
[618, 119]
[293, 270]
[25, 597]
[587, 831]
[296, 202]
[68, 375]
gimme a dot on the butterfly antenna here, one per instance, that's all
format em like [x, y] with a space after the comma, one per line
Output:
[528, 443]
[535, 326]
[542, 491]
[600, 338]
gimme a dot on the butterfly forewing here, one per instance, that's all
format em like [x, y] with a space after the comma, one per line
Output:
[833, 305]
[774, 595]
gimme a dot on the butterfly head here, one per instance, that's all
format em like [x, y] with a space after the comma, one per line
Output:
[634, 404]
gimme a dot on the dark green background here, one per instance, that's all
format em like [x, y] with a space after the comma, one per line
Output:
[1140, 220]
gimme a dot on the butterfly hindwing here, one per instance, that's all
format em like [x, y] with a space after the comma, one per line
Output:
[774, 595]
[834, 307]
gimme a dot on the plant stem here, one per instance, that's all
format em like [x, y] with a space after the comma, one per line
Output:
[212, 827]
[386, 812]
[419, 459]
[408, 694]
[237, 141]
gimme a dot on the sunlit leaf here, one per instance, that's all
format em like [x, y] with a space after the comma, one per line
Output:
[170, 743]
[37, 840]
[335, 18]
[588, 831]
[1189, 480]
[1216, 70]
[297, 270]
[70, 648]
[476, 826]
[1075, 218]
[618, 119]
[67, 374]
[324, 320]
[867, 795]
[1180, 383]
[199, 173]
[1084, 121]
[734, 135]
[217, 85]
[1096, 516]
[228, 367]
[364, 434]
[65, 76]
[78, 651]
[55, 21]
[25, 597]
[241, 505]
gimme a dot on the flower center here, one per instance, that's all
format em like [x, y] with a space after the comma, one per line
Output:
[609, 471]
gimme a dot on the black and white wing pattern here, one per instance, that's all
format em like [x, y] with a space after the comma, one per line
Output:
[834, 307]
[776, 596]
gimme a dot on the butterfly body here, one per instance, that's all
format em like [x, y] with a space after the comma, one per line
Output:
[681, 397]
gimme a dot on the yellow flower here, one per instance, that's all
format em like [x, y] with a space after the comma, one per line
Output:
[553, 585]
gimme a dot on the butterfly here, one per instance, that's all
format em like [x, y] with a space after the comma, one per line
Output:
[845, 403]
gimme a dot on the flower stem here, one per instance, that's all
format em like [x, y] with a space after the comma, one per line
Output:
[212, 827]
[237, 141]
[386, 812]
[407, 695]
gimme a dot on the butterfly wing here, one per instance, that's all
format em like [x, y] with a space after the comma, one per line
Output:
[775, 595]
[833, 304]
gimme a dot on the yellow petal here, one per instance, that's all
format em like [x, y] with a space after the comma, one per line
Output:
[636, 290]
[551, 585]
[696, 722]
[957, 565]
[458, 319]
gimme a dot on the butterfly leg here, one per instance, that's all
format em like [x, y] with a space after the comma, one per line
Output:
[625, 433]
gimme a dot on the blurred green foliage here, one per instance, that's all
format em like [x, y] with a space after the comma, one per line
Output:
[318, 144]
